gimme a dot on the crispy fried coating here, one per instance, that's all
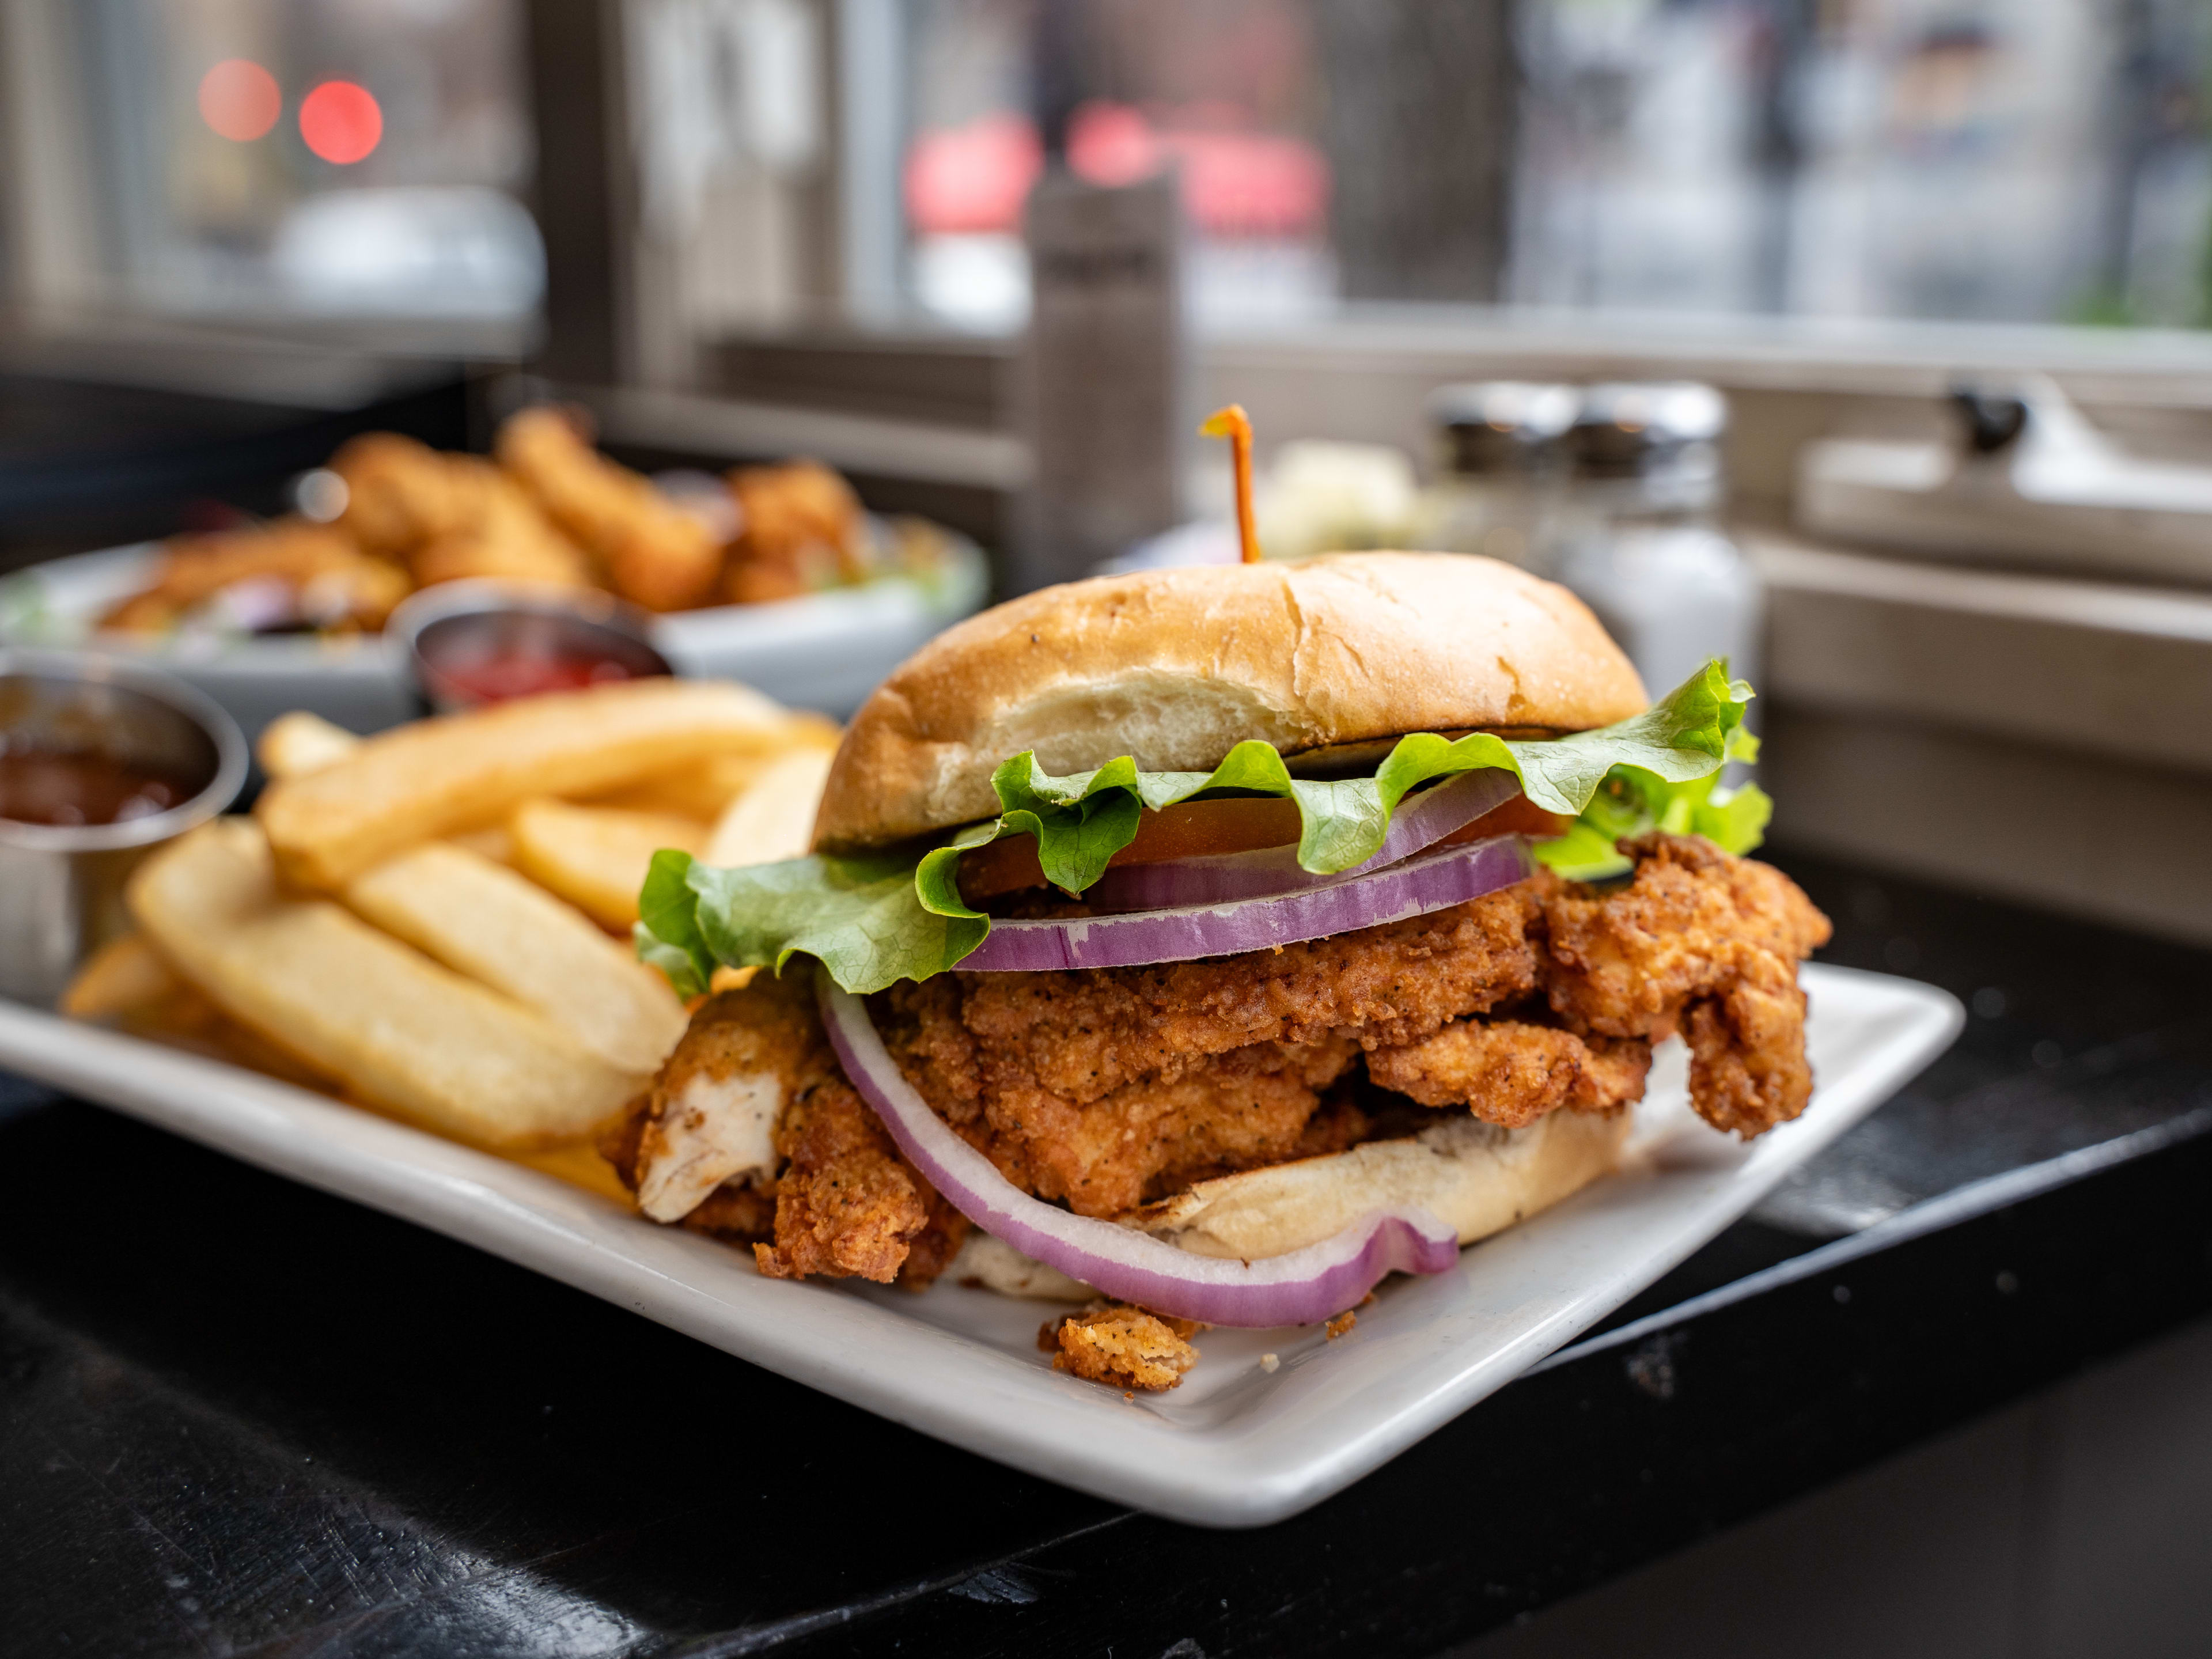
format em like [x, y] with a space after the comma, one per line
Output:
[1699, 937]
[505, 537]
[1509, 1073]
[1084, 1035]
[321, 577]
[846, 1204]
[1207, 1115]
[400, 494]
[1121, 1347]
[1108, 1090]
[711, 1114]
[649, 550]
[448, 517]
[803, 530]
[1747, 1067]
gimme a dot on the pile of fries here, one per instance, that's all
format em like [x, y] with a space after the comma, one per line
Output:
[433, 922]
[547, 508]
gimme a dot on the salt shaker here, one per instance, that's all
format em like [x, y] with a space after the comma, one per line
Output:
[1634, 530]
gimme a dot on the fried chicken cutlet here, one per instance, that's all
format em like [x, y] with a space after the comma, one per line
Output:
[1107, 1088]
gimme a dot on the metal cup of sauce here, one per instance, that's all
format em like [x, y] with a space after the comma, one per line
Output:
[101, 761]
[467, 643]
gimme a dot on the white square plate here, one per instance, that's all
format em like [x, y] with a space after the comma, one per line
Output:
[1236, 1444]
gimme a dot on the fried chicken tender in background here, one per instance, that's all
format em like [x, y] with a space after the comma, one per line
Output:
[508, 538]
[650, 550]
[321, 574]
[1702, 940]
[448, 517]
[1121, 1347]
[804, 529]
[1509, 1072]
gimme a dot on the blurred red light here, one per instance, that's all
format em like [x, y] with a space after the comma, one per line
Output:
[341, 122]
[973, 178]
[239, 100]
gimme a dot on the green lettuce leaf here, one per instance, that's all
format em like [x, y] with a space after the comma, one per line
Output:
[873, 921]
[1632, 800]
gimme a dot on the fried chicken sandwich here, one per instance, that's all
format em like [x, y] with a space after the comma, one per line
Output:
[1221, 940]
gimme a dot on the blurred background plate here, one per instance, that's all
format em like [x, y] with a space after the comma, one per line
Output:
[825, 651]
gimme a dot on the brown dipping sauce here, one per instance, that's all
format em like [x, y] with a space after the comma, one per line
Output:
[73, 789]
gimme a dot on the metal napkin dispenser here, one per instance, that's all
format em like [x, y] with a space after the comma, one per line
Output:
[2027, 481]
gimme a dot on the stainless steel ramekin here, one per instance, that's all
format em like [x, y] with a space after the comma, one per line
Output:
[61, 886]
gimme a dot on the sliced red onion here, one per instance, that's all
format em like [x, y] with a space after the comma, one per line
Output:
[1220, 878]
[1434, 881]
[1300, 1288]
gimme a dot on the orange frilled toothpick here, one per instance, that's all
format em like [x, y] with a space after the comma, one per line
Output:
[1234, 424]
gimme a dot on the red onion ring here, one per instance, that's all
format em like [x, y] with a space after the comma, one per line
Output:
[1300, 1288]
[1223, 877]
[1434, 881]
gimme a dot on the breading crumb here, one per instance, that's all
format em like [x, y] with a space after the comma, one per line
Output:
[1122, 1347]
[1343, 1323]
[1268, 1362]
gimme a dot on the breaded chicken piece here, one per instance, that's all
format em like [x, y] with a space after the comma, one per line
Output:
[712, 1112]
[400, 494]
[1509, 1072]
[1700, 941]
[1105, 1091]
[846, 1204]
[753, 1088]
[803, 530]
[329, 581]
[1211, 1114]
[448, 517]
[649, 550]
[508, 538]
[1121, 1347]
[1085, 1034]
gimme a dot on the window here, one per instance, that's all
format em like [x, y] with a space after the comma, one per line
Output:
[2042, 161]
[275, 159]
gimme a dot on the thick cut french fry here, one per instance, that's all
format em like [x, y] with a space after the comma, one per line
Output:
[492, 842]
[494, 926]
[125, 976]
[706, 791]
[417, 782]
[292, 745]
[773, 820]
[596, 857]
[381, 1019]
[700, 791]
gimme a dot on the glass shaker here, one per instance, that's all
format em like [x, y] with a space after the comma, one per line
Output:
[1634, 530]
[1496, 467]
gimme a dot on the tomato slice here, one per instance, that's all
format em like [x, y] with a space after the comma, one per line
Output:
[1201, 828]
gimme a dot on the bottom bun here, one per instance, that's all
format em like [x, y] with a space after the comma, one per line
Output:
[1470, 1174]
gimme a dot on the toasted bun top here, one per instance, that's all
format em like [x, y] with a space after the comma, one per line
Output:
[1175, 667]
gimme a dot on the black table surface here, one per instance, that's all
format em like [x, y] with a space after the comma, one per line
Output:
[237, 1416]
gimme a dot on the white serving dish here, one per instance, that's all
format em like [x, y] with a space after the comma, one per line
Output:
[1236, 1444]
[825, 651]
